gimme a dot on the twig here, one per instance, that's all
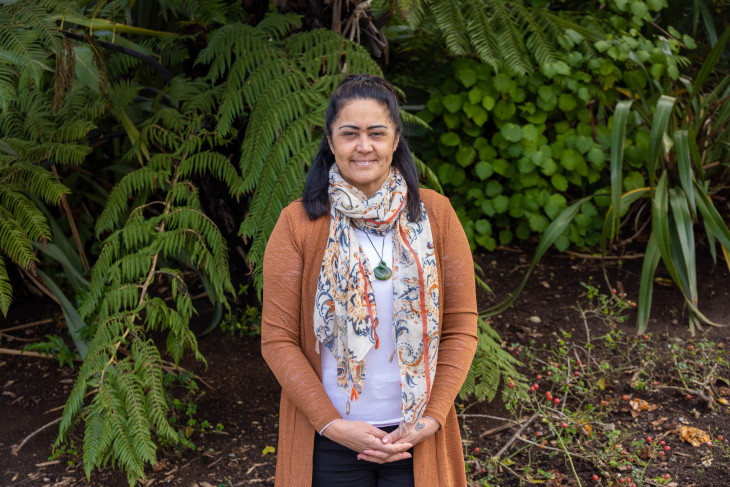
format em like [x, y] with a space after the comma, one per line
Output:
[213, 463]
[607, 257]
[11, 351]
[14, 450]
[28, 325]
[552, 449]
[514, 437]
[40, 286]
[710, 401]
[501, 428]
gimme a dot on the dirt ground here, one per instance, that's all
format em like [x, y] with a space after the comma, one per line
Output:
[246, 396]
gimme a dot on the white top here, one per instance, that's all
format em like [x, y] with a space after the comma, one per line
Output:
[380, 402]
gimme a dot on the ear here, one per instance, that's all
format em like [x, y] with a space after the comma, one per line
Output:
[395, 143]
[329, 141]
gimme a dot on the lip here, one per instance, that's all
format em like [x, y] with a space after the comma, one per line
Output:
[365, 163]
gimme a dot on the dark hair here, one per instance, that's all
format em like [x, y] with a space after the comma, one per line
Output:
[360, 87]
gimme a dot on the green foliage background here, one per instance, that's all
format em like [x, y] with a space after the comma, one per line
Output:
[137, 148]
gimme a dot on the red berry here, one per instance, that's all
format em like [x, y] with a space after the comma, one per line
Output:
[511, 384]
[645, 336]
[667, 448]
[719, 438]
[556, 366]
[691, 348]
[661, 453]
[661, 442]
[484, 469]
[628, 479]
[595, 477]
[537, 433]
[625, 397]
[550, 373]
[667, 476]
[548, 393]
[633, 305]
[564, 425]
[613, 291]
[576, 373]
[648, 440]
[621, 480]
[556, 401]
[539, 377]
[709, 443]
[536, 386]
[476, 450]
[532, 389]
[689, 397]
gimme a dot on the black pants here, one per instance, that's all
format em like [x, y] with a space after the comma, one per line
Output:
[336, 465]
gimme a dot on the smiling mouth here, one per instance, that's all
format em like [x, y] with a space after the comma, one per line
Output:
[364, 163]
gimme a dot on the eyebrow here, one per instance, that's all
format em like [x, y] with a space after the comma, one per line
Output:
[369, 128]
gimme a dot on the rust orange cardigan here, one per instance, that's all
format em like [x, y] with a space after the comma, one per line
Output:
[292, 263]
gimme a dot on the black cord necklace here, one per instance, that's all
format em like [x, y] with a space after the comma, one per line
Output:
[382, 271]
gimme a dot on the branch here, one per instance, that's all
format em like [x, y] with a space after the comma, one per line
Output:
[14, 450]
[161, 70]
[514, 437]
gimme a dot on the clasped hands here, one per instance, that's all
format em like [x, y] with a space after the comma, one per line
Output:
[377, 446]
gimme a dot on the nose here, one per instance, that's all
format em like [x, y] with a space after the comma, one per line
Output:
[364, 145]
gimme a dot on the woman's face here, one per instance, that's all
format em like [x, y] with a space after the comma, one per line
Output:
[363, 141]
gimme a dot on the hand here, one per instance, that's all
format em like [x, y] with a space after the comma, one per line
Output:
[417, 432]
[361, 437]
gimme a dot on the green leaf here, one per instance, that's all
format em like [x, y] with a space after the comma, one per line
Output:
[452, 103]
[559, 182]
[73, 320]
[651, 260]
[709, 65]
[483, 227]
[662, 114]
[512, 132]
[450, 139]
[618, 136]
[468, 77]
[538, 223]
[504, 109]
[567, 102]
[633, 180]
[500, 203]
[483, 170]
[570, 159]
[689, 42]
[465, 155]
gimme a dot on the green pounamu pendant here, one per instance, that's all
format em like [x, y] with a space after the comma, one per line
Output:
[382, 272]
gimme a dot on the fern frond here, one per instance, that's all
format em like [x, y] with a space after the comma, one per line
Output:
[6, 290]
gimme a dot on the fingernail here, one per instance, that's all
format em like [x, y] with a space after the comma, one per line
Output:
[409, 455]
[385, 440]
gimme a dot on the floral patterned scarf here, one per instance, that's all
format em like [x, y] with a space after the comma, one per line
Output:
[345, 315]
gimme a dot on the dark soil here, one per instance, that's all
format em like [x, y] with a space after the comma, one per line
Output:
[246, 399]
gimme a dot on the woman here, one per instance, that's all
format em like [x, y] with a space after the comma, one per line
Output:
[363, 266]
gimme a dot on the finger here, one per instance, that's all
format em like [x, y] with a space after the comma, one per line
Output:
[392, 449]
[368, 458]
[398, 456]
[377, 454]
[391, 437]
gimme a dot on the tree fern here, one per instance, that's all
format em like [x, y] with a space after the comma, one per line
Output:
[129, 406]
[505, 35]
[284, 84]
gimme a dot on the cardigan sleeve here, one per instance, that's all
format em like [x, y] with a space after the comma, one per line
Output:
[281, 341]
[459, 326]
